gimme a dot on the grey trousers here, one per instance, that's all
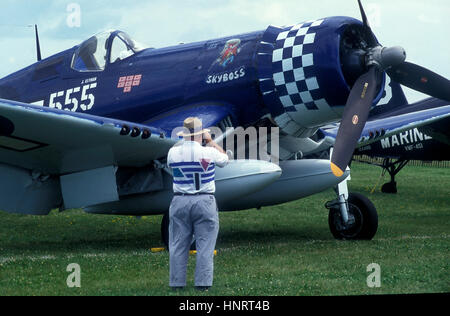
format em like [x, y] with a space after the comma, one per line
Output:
[192, 215]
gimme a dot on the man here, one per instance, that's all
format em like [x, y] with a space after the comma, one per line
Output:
[193, 210]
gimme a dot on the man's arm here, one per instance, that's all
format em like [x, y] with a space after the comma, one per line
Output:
[220, 156]
[211, 143]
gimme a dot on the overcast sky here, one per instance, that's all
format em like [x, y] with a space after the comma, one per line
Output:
[421, 27]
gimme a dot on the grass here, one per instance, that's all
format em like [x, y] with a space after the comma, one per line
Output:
[280, 250]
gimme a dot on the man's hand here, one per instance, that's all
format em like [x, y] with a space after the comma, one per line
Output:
[210, 142]
[207, 137]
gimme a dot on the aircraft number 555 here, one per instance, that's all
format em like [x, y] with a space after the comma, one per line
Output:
[71, 100]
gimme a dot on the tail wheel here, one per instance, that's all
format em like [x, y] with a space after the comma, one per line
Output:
[362, 222]
[390, 187]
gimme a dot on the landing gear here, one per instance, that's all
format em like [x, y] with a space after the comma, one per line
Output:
[165, 232]
[352, 216]
[390, 187]
[393, 167]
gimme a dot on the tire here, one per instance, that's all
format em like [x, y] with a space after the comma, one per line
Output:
[165, 232]
[390, 187]
[363, 219]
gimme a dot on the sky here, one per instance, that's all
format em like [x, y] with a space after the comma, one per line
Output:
[421, 27]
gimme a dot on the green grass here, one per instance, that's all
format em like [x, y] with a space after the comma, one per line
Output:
[281, 250]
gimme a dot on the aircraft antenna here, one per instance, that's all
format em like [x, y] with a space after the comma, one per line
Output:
[38, 47]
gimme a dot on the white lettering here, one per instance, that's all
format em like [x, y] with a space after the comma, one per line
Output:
[374, 14]
[85, 97]
[404, 138]
[74, 279]
[72, 98]
[72, 101]
[395, 141]
[74, 18]
[417, 135]
[246, 305]
[374, 278]
[250, 143]
[191, 306]
[385, 143]
[226, 77]
[54, 104]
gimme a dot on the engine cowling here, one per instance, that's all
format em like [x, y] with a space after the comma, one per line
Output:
[306, 71]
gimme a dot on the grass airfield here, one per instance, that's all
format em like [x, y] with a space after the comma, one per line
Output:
[280, 250]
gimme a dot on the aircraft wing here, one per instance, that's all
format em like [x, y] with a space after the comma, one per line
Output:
[56, 142]
[379, 129]
[58, 159]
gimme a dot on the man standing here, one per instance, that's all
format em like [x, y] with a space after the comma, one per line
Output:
[193, 210]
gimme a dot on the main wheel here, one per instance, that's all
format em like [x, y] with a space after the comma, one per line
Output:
[362, 222]
[165, 232]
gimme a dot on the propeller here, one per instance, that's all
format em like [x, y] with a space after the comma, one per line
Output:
[421, 79]
[354, 119]
[378, 59]
[363, 15]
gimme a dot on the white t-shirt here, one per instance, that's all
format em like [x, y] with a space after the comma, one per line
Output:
[194, 167]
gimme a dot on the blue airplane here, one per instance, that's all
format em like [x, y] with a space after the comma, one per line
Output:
[427, 141]
[90, 127]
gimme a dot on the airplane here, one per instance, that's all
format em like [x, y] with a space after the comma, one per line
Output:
[428, 141]
[90, 127]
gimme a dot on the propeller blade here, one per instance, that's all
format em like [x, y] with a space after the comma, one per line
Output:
[354, 119]
[421, 79]
[363, 14]
[372, 41]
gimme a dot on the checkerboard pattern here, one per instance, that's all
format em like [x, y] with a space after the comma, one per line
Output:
[126, 83]
[292, 60]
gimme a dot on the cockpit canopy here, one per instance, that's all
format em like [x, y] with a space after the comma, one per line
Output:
[106, 47]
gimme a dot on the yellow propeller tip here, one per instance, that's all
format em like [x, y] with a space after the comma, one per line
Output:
[336, 170]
